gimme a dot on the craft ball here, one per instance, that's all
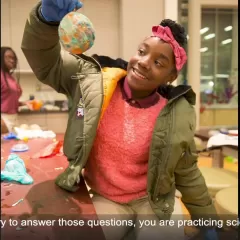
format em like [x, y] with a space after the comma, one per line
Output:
[76, 33]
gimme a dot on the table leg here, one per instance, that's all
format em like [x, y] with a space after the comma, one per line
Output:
[217, 158]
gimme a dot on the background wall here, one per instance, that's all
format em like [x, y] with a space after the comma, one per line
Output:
[136, 19]
[104, 15]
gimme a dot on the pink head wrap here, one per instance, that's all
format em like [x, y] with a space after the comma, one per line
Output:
[166, 35]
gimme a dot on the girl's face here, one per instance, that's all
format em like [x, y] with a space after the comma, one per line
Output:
[153, 65]
[10, 60]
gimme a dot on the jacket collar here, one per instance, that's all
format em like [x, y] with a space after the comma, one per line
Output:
[171, 93]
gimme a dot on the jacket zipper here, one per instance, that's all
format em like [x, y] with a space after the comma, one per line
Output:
[87, 60]
[81, 103]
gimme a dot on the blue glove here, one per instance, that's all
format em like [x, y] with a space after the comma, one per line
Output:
[55, 10]
[210, 234]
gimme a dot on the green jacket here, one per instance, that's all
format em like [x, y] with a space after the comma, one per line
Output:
[172, 157]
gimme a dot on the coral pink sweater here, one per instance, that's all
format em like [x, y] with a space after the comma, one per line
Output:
[118, 163]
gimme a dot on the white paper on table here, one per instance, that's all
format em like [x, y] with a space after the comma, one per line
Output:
[22, 133]
[222, 140]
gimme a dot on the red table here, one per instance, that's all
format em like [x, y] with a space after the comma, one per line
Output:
[43, 200]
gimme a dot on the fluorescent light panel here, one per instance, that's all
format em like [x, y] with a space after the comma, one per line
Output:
[211, 83]
[202, 50]
[209, 36]
[228, 28]
[222, 75]
[204, 30]
[229, 40]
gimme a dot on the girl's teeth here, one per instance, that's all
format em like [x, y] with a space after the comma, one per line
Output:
[138, 74]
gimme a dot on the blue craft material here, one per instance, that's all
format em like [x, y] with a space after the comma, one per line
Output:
[15, 170]
[10, 136]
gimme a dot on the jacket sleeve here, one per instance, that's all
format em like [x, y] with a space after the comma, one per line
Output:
[42, 50]
[191, 183]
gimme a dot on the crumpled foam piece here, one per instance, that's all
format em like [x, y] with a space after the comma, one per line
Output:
[22, 133]
[15, 170]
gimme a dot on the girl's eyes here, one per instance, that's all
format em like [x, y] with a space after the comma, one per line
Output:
[140, 51]
[158, 64]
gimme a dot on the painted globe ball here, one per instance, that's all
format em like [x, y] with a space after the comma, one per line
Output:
[76, 33]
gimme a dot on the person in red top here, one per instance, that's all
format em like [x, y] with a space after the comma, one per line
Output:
[10, 88]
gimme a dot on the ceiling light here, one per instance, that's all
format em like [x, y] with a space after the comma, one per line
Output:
[204, 30]
[206, 77]
[226, 41]
[202, 50]
[209, 36]
[228, 28]
[222, 75]
[211, 83]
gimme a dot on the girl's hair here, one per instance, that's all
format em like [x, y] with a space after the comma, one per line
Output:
[4, 67]
[178, 31]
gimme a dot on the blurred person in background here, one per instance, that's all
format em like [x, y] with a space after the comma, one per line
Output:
[10, 89]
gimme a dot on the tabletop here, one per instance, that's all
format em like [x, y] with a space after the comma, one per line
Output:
[43, 210]
[203, 134]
